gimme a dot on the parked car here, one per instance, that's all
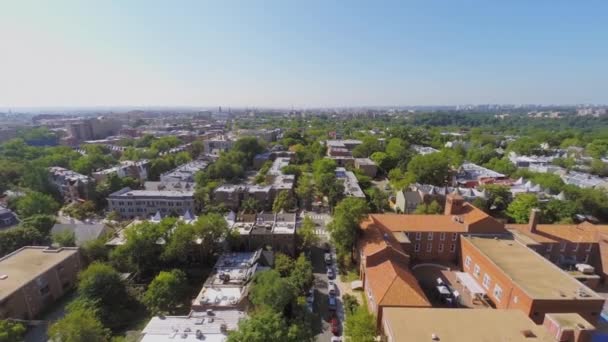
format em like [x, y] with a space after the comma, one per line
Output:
[330, 273]
[328, 258]
[336, 339]
[332, 303]
[332, 289]
[335, 326]
[310, 296]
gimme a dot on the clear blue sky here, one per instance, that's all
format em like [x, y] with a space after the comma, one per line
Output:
[304, 53]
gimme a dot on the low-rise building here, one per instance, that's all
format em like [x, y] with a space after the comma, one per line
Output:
[209, 326]
[218, 144]
[184, 173]
[470, 175]
[145, 203]
[515, 277]
[350, 182]
[227, 286]
[412, 324]
[73, 186]
[436, 237]
[424, 150]
[32, 278]
[265, 230]
[127, 168]
[367, 166]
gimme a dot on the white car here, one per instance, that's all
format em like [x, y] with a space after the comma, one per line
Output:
[336, 339]
[330, 273]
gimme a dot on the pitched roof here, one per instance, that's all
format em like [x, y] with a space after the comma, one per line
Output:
[552, 233]
[83, 232]
[375, 239]
[392, 285]
[400, 223]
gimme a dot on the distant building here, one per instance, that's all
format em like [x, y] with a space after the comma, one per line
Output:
[134, 169]
[144, 203]
[424, 150]
[94, 128]
[32, 278]
[470, 175]
[341, 148]
[217, 145]
[367, 166]
[73, 186]
[184, 173]
[350, 182]
[268, 135]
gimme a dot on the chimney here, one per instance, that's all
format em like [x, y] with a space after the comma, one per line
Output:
[453, 204]
[534, 218]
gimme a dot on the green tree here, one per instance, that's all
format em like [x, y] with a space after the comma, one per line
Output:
[95, 250]
[502, 165]
[263, 326]
[42, 223]
[524, 145]
[202, 238]
[250, 205]
[78, 326]
[11, 331]
[345, 225]
[65, 239]
[249, 146]
[271, 291]
[283, 202]
[429, 169]
[283, 264]
[307, 234]
[166, 291]
[301, 276]
[360, 326]
[557, 211]
[350, 303]
[384, 161]
[498, 198]
[432, 208]
[13, 239]
[519, 209]
[36, 203]
[377, 199]
[102, 285]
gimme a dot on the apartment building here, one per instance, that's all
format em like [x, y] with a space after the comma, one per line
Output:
[262, 230]
[350, 183]
[436, 237]
[73, 186]
[384, 271]
[515, 277]
[367, 166]
[132, 204]
[217, 145]
[32, 278]
[134, 169]
[184, 173]
[566, 244]
[412, 324]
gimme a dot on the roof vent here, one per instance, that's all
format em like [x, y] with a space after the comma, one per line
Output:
[434, 337]
[3, 277]
[528, 334]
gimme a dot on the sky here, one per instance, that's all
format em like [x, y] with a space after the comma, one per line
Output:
[302, 53]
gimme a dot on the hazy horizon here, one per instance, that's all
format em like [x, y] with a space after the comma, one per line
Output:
[146, 54]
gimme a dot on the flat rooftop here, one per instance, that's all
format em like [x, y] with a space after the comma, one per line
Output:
[26, 264]
[457, 325]
[538, 277]
[185, 328]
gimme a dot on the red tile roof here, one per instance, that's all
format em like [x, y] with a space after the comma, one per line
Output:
[392, 285]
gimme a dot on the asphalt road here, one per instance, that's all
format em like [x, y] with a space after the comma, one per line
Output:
[321, 305]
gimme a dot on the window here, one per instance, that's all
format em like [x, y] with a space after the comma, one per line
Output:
[562, 246]
[429, 247]
[442, 236]
[454, 236]
[418, 236]
[429, 236]
[549, 247]
[486, 281]
[453, 248]
[575, 247]
[476, 271]
[589, 246]
[417, 247]
[467, 261]
[497, 292]
[515, 299]
[440, 247]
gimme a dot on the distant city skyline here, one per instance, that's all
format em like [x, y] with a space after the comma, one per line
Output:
[314, 54]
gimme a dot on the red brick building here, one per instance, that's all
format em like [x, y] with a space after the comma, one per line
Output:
[515, 277]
